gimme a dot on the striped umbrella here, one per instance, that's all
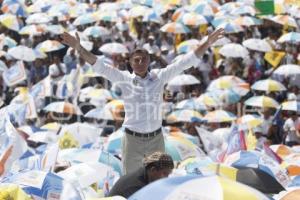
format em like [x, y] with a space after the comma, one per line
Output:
[291, 105]
[285, 20]
[49, 46]
[230, 27]
[195, 187]
[257, 45]
[193, 19]
[38, 18]
[219, 116]
[227, 96]
[62, 107]
[234, 83]
[114, 48]
[292, 37]
[204, 8]
[184, 116]
[10, 21]
[175, 27]
[188, 45]
[250, 121]
[209, 100]
[268, 85]
[262, 102]
[248, 21]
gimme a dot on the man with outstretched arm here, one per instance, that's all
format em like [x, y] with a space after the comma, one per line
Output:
[143, 95]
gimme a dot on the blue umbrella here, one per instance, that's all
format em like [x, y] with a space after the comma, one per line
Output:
[161, 187]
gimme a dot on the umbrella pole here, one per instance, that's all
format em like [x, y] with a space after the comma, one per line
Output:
[218, 169]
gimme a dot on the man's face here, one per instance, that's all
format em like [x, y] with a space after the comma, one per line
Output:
[139, 63]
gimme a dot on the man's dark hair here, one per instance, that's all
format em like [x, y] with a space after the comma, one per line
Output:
[139, 50]
[159, 160]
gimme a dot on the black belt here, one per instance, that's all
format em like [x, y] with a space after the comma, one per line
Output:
[145, 135]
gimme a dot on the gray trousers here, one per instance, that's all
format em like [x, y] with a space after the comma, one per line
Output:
[135, 148]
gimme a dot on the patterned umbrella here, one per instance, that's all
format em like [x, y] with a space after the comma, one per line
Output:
[175, 27]
[204, 8]
[114, 48]
[43, 185]
[262, 102]
[184, 116]
[291, 37]
[138, 11]
[22, 53]
[188, 187]
[62, 107]
[291, 105]
[261, 161]
[108, 16]
[208, 99]
[85, 155]
[257, 45]
[234, 50]
[219, 116]
[49, 46]
[188, 45]
[10, 21]
[268, 85]
[56, 29]
[243, 10]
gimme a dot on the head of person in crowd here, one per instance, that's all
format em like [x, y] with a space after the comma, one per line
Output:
[293, 115]
[139, 62]
[258, 132]
[158, 165]
[266, 113]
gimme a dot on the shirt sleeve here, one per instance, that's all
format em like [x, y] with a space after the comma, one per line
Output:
[106, 70]
[176, 68]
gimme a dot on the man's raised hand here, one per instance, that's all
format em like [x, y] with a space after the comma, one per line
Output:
[71, 41]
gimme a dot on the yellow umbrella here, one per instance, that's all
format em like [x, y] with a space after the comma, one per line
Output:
[262, 102]
[12, 192]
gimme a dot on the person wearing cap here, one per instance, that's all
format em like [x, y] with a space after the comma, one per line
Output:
[156, 166]
[261, 139]
[143, 95]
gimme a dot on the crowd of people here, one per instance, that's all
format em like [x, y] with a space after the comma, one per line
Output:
[130, 76]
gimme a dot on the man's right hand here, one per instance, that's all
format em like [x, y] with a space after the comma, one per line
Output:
[71, 41]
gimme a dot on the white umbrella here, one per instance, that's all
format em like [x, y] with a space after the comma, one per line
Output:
[49, 46]
[234, 50]
[287, 70]
[257, 45]
[114, 48]
[38, 18]
[268, 85]
[22, 53]
[96, 31]
[183, 79]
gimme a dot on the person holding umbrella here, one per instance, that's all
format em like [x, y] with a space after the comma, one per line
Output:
[143, 95]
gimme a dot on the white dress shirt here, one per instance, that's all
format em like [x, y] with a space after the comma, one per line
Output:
[143, 97]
